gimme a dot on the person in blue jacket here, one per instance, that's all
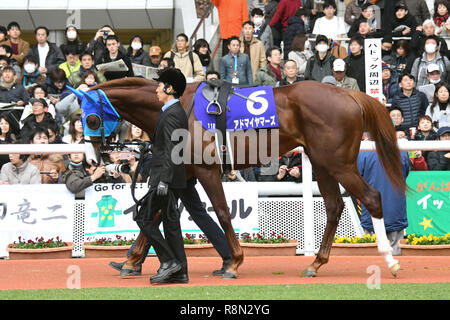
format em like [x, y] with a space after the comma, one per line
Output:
[393, 202]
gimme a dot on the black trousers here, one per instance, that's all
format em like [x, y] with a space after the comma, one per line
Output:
[170, 247]
[191, 200]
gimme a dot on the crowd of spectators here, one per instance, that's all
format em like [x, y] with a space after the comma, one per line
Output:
[284, 42]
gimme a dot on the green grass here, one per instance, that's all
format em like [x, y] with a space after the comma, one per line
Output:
[404, 291]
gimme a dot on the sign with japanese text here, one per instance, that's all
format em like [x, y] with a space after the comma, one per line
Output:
[372, 52]
[428, 204]
[34, 211]
[109, 210]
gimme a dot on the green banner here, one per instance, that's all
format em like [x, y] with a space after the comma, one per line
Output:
[428, 203]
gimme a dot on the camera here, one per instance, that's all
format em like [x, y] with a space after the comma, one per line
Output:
[121, 168]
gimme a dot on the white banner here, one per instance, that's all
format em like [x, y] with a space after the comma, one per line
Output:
[32, 211]
[373, 62]
[109, 210]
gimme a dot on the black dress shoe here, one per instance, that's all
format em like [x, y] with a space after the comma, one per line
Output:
[225, 264]
[116, 265]
[177, 278]
[165, 271]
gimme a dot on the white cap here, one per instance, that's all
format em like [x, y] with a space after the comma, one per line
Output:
[338, 65]
[432, 67]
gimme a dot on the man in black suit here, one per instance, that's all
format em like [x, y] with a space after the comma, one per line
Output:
[167, 177]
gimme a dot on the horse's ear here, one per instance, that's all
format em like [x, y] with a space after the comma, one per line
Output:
[78, 93]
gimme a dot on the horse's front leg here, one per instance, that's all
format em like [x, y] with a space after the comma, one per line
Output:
[209, 177]
[138, 251]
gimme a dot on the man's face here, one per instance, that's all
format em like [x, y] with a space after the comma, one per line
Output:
[87, 62]
[396, 115]
[155, 59]
[339, 75]
[51, 136]
[14, 33]
[407, 83]
[76, 157]
[234, 46]
[435, 75]
[15, 158]
[364, 28]
[275, 59]
[401, 13]
[248, 31]
[290, 69]
[112, 46]
[162, 96]
[41, 36]
[329, 12]
[40, 138]
[428, 29]
[355, 48]
[182, 44]
[38, 108]
[8, 76]
[59, 84]
[386, 74]
[163, 64]
[72, 59]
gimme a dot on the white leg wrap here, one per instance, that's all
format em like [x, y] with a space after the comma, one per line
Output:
[384, 246]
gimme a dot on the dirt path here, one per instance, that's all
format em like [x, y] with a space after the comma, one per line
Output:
[47, 274]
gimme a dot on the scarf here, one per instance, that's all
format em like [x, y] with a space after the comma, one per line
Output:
[438, 20]
[277, 72]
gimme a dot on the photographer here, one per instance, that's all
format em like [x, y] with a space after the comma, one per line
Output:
[80, 175]
[122, 165]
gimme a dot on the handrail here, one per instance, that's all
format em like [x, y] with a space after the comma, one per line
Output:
[201, 22]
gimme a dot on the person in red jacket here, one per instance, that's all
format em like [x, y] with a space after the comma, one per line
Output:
[285, 10]
[232, 15]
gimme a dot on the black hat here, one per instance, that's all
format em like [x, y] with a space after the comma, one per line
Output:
[321, 37]
[173, 77]
[443, 130]
[401, 5]
[40, 100]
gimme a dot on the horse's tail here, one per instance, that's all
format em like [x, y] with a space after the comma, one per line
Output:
[381, 129]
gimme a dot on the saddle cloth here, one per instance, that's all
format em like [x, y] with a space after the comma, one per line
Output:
[242, 114]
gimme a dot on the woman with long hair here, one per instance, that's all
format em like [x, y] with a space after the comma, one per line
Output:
[300, 53]
[6, 136]
[135, 133]
[76, 134]
[439, 109]
[201, 48]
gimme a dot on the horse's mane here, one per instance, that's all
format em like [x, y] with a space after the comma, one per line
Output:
[124, 83]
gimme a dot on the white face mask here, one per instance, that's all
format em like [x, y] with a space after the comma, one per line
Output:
[258, 20]
[29, 67]
[136, 45]
[322, 48]
[430, 48]
[71, 34]
[432, 81]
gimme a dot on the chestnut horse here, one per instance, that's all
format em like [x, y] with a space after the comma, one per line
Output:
[326, 120]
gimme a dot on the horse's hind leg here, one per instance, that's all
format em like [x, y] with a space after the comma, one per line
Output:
[334, 206]
[138, 251]
[211, 182]
[371, 198]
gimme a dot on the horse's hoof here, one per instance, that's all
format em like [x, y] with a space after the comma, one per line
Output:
[229, 275]
[308, 273]
[394, 269]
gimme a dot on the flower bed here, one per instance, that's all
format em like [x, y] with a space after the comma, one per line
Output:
[274, 245]
[40, 249]
[425, 245]
[107, 248]
[355, 246]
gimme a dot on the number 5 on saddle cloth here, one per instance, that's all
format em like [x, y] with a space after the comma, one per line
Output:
[222, 107]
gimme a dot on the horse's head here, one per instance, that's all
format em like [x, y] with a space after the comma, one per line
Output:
[97, 113]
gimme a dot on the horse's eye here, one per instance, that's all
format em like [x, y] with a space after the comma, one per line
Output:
[93, 122]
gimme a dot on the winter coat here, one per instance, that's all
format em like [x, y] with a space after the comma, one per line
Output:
[139, 57]
[301, 58]
[399, 63]
[356, 69]
[269, 11]
[183, 62]
[29, 124]
[441, 118]
[295, 26]
[391, 89]
[76, 180]
[79, 46]
[265, 77]
[68, 69]
[232, 14]
[316, 69]
[48, 163]
[393, 202]
[349, 83]
[257, 54]
[15, 93]
[27, 173]
[285, 10]
[264, 34]
[75, 78]
[413, 107]
[23, 50]
[408, 21]
[29, 79]
[97, 48]
[244, 68]
[437, 161]
[54, 56]
[419, 68]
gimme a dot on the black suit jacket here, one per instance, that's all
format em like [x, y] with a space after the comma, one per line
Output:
[162, 165]
[54, 57]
